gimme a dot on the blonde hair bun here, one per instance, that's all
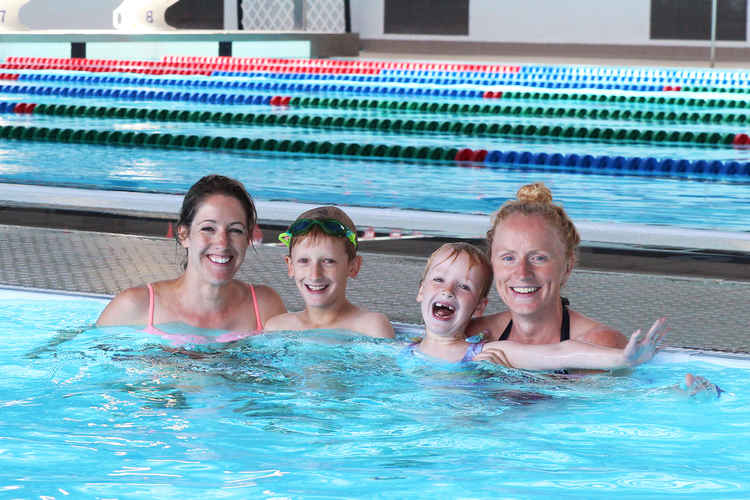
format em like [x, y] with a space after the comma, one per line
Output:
[534, 193]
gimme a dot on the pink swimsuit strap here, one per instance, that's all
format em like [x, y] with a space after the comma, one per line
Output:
[183, 338]
[258, 322]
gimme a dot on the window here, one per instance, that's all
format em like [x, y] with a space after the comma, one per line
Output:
[691, 20]
[427, 17]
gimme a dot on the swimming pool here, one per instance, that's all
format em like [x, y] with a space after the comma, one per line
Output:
[110, 413]
[388, 139]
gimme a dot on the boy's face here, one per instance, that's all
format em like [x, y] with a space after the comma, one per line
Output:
[320, 267]
[450, 294]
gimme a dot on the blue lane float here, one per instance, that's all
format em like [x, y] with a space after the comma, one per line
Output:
[623, 165]
[137, 95]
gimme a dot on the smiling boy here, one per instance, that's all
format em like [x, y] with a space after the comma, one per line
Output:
[322, 257]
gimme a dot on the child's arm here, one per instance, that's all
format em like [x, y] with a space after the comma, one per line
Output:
[571, 354]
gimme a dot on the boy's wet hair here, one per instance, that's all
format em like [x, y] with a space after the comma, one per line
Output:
[323, 213]
[477, 256]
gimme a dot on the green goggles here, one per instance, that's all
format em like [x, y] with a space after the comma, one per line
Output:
[331, 227]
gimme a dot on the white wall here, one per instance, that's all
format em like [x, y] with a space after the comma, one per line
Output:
[599, 22]
[88, 14]
[560, 21]
[367, 18]
[68, 14]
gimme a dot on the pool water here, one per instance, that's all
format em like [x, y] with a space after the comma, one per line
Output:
[664, 201]
[687, 200]
[111, 413]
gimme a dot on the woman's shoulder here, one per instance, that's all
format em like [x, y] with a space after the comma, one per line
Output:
[492, 325]
[585, 329]
[263, 291]
[269, 301]
[129, 307]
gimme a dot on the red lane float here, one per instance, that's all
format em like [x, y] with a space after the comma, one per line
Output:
[471, 155]
[23, 108]
[244, 64]
[741, 140]
[278, 100]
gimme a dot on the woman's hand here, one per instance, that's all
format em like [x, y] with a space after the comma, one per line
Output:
[641, 348]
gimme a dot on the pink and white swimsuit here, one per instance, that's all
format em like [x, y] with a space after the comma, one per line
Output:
[186, 338]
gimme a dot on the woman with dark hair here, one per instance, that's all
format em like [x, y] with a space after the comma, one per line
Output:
[215, 227]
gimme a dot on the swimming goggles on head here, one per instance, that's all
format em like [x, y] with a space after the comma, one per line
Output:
[331, 227]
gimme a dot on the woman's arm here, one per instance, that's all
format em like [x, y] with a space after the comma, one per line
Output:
[572, 354]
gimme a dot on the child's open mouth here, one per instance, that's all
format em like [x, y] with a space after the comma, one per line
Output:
[442, 311]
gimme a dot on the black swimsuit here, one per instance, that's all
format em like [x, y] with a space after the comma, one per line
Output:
[564, 328]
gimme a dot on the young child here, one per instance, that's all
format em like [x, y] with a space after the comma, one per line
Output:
[454, 289]
[322, 257]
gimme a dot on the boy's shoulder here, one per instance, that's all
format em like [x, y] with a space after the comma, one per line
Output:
[285, 321]
[373, 324]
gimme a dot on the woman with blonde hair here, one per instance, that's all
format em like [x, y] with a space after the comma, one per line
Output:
[532, 247]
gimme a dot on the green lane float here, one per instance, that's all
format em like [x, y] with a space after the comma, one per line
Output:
[583, 163]
[473, 128]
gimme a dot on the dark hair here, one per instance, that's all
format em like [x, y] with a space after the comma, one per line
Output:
[211, 185]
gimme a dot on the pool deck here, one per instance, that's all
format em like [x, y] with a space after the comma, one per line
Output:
[705, 296]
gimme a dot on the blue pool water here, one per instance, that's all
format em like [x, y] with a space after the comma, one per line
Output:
[686, 200]
[110, 413]
[374, 183]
